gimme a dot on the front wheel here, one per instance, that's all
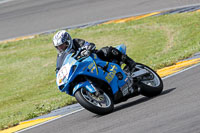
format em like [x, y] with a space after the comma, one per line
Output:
[100, 104]
[150, 84]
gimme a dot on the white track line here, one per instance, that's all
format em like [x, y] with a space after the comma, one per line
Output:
[49, 121]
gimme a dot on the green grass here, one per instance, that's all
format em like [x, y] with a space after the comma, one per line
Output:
[27, 76]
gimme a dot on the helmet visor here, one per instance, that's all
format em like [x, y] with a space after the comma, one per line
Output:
[61, 48]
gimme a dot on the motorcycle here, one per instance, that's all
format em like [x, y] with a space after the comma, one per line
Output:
[97, 85]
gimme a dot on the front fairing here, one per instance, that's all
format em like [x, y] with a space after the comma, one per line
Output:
[66, 70]
[71, 68]
[91, 66]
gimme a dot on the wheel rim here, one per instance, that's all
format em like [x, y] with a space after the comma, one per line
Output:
[102, 101]
[152, 79]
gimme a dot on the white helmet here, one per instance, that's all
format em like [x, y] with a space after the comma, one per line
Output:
[62, 37]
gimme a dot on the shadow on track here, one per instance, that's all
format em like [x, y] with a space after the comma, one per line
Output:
[138, 101]
[141, 100]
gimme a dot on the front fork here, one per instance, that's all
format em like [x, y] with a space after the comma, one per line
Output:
[86, 84]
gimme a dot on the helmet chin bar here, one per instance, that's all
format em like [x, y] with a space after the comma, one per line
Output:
[61, 49]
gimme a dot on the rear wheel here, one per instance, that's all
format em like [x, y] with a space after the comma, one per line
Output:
[150, 84]
[99, 103]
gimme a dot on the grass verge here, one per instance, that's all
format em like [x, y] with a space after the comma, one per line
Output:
[27, 76]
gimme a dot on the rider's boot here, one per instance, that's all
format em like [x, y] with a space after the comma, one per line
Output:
[130, 64]
[120, 57]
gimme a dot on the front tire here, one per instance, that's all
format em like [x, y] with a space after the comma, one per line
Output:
[151, 84]
[101, 104]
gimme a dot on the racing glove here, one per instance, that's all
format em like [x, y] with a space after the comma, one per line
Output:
[87, 49]
[85, 53]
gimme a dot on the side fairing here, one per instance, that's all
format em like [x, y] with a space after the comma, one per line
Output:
[112, 79]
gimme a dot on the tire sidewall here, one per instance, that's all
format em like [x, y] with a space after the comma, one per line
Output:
[150, 91]
[89, 106]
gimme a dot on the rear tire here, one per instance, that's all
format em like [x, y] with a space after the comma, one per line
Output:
[93, 104]
[150, 88]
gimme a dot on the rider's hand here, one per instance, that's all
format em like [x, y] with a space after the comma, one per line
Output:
[87, 49]
[88, 46]
[92, 47]
[85, 52]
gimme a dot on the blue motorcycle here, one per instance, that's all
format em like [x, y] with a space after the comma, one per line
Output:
[97, 85]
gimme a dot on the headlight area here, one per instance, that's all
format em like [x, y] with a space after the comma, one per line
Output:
[63, 75]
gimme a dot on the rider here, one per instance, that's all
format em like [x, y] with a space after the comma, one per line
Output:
[65, 44]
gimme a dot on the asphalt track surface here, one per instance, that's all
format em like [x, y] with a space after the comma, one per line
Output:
[27, 17]
[176, 110]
